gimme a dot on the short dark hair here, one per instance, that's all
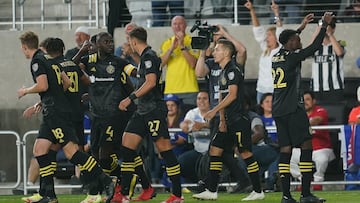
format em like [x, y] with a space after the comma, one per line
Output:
[55, 46]
[30, 39]
[286, 35]
[311, 93]
[227, 44]
[139, 33]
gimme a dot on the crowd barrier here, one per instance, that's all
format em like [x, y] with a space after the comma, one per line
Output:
[18, 159]
[339, 128]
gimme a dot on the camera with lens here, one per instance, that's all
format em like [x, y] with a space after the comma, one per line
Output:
[205, 35]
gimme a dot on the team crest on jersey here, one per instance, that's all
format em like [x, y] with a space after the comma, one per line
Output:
[231, 75]
[148, 64]
[93, 69]
[35, 67]
[223, 80]
[110, 69]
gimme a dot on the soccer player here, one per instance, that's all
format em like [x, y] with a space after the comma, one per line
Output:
[288, 109]
[234, 127]
[110, 84]
[149, 119]
[56, 127]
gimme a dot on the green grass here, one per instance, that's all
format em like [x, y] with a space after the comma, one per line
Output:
[330, 196]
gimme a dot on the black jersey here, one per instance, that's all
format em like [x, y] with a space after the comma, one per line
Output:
[73, 93]
[149, 63]
[109, 84]
[71, 53]
[213, 80]
[54, 97]
[232, 74]
[286, 72]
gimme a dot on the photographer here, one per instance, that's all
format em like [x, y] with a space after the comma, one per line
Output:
[212, 70]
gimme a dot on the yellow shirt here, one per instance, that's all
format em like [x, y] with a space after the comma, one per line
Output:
[180, 77]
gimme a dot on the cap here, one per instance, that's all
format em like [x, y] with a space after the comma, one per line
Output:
[82, 29]
[172, 97]
[358, 93]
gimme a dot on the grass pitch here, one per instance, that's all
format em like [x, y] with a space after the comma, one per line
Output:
[330, 196]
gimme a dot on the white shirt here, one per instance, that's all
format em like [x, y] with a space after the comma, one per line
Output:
[202, 137]
[265, 80]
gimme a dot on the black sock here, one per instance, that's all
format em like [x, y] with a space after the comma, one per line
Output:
[105, 164]
[306, 167]
[89, 167]
[47, 170]
[284, 171]
[139, 170]
[173, 171]
[253, 171]
[127, 169]
[241, 177]
[215, 169]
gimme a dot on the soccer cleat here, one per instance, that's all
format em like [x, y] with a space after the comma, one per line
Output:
[206, 195]
[109, 189]
[47, 200]
[254, 196]
[92, 199]
[311, 199]
[185, 190]
[34, 198]
[120, 198]
[286, 199]
[174, 199]
[146, 194]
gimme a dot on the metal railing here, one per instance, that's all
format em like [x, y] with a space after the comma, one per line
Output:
[340, 128]
[18, 159]
[233, 13]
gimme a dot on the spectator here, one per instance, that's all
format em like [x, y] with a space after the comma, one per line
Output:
[118, 16]
[180, 61]
[271, 140]
[159, 7]
[352, 12]
[328, 67]
[199, 130]
[321, 142]
[354, 116]
[269, 45]
[82, 34]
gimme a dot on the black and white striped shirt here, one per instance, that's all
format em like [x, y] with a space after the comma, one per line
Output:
[327, 70]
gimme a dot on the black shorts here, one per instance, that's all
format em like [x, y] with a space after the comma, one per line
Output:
[293, 129]
[79, 130]
[57, 128]
[241, 130]
[152, 124]
[108, 130]
[238, 134]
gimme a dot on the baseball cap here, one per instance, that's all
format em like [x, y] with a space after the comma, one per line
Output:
[172, 97]
[82, 29]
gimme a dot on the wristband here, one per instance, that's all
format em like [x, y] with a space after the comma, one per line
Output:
[132, 96]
